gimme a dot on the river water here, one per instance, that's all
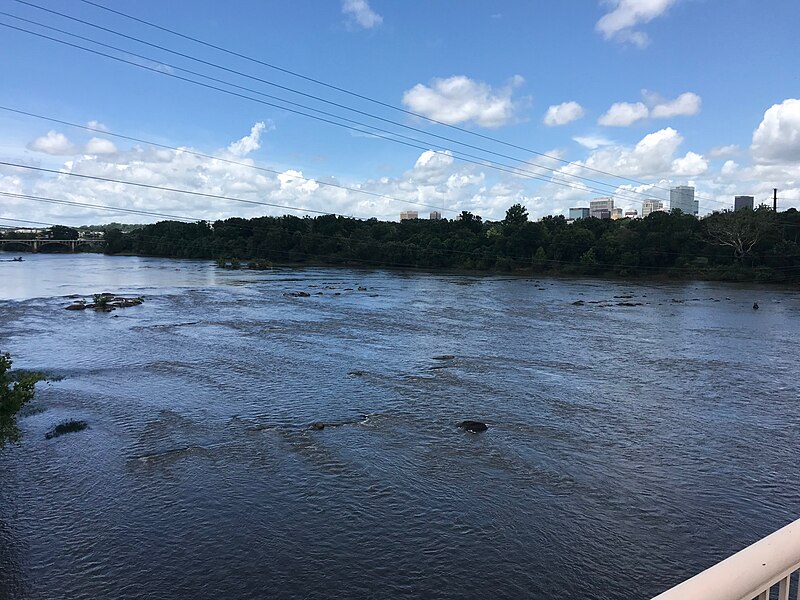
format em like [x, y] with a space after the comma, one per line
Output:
[628, 446]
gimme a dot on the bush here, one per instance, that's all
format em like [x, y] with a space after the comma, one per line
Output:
[14, 394]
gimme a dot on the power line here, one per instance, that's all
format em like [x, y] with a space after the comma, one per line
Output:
[480, 162]
[165, 189]
[218, 158]
[470, 158]
[26, 221]
[349, 92]
[97, 206]
[286, 88]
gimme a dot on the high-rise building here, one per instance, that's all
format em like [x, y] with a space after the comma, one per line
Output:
[578, 213]
[682, 197]
[409, 214]
[651, 206]
[743, 202]
[435, 215]
[601, 208]
[616, 213]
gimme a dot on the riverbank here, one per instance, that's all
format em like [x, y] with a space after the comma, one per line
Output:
[664, 245]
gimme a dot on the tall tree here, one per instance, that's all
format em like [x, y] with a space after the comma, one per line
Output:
[740, 230]
[516, 215]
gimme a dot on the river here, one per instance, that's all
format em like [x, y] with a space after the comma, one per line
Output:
[628, 446]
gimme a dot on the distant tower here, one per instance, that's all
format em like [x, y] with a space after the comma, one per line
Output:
[407, 215]
[743, 202]
[651, 206]
[435, 215]
[601, 208]
[579, 213]
[682, 197]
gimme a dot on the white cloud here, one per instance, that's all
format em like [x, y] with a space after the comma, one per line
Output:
[434, 178]
[294, 180]
[620, 23]
[561, 114]
[777, 138]
[54, 143]
[433, 160]
[685, 105]
[653, 156]
[723, 151]
[691, 165]
[623, 114]
[100, 146]
[250, 142]
[729, 168]
[459, 99]
[430, 177]
[361, 12]
[592, 142]
[97, 125]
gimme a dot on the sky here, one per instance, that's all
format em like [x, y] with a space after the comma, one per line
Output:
[449, 105]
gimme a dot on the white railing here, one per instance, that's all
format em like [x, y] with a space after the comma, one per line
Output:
[751, 573]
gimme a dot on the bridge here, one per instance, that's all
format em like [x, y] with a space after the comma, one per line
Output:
[36, 244]
[763, 571]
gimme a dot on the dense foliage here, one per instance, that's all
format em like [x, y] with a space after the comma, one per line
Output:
[13, 396]
[744, 245]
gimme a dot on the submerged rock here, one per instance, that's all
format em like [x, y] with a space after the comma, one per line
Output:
[578, 303]
[473, 426]
[444, 357]
[318, 426]
[76, 306]
[66, 427]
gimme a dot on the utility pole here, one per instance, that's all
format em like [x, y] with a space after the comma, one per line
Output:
[775, 199]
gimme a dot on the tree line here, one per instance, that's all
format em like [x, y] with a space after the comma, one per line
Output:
[742, 245]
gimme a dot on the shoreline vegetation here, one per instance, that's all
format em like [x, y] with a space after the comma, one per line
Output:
[746, 246]
[17, 389]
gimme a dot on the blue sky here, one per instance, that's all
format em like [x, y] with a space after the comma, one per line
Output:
[663, 92]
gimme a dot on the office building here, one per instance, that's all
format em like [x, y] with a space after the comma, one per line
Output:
[578, 213]
[631, 214]
[435, 215]
[651, 206]
[682, 198]
[409, 214]
[601, 208]
[743, 202]
[616, 213]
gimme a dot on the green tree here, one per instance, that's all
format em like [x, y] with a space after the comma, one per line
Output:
[61, 232]
[740, 230]
[516, 215]
[13, 396]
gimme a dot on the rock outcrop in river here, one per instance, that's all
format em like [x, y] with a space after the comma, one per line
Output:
[106, 302]
[473, 426]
